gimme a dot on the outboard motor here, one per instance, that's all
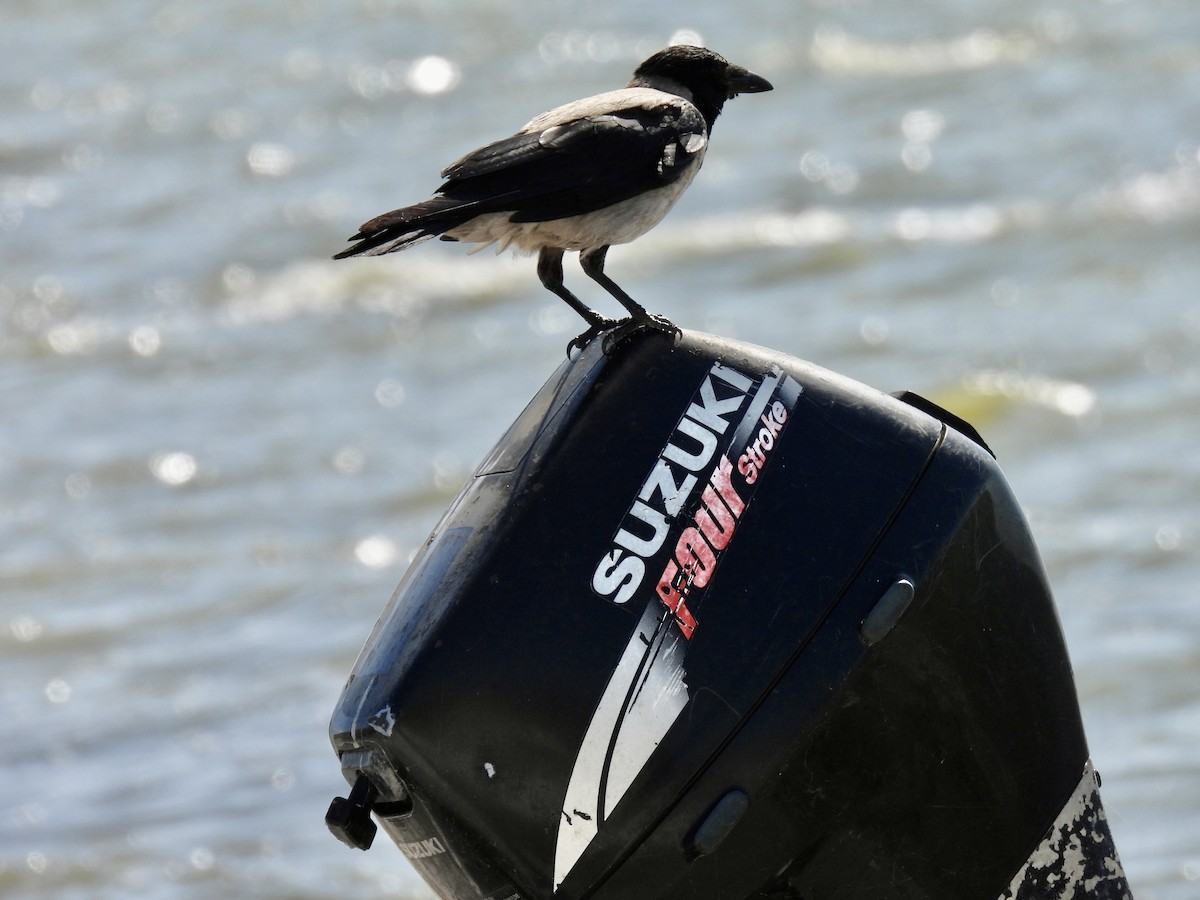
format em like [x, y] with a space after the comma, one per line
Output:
[713, 622]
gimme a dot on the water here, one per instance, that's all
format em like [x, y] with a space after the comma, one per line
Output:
[220, 448]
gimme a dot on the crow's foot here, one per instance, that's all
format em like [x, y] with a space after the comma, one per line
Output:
[617, 330]
[627, 328]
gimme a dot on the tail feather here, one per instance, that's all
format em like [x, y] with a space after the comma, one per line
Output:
[402, 228]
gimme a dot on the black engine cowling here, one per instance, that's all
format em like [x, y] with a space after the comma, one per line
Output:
[712, 622]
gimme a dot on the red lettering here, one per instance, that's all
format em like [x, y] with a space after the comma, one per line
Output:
[766, 440]
[695, 556]
[715, 519]
[721, 481]
[714, 523]
[748, 469]
[773, 424]
[671, 589]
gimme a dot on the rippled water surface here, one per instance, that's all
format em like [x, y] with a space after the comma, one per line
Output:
[219, 448]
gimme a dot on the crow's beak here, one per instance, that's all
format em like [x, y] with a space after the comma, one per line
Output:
[743, 81]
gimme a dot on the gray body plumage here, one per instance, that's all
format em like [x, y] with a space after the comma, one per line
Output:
[682, 153]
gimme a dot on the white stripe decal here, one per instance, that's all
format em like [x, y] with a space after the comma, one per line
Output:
[643, 669]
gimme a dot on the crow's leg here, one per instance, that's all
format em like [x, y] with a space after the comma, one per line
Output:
[550, 271]
[592, 262]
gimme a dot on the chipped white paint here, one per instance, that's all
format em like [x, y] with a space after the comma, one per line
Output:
[383, 721]
[1077, 853]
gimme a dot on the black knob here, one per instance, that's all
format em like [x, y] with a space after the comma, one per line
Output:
[350, 818]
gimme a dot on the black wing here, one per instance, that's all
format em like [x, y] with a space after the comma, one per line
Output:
[581, 165]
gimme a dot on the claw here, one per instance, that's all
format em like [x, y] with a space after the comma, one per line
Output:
[599, 327]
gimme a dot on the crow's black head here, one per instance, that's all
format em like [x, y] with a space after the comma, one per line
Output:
[707, 76]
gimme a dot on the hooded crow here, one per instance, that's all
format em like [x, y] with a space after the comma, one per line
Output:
[599, 171]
